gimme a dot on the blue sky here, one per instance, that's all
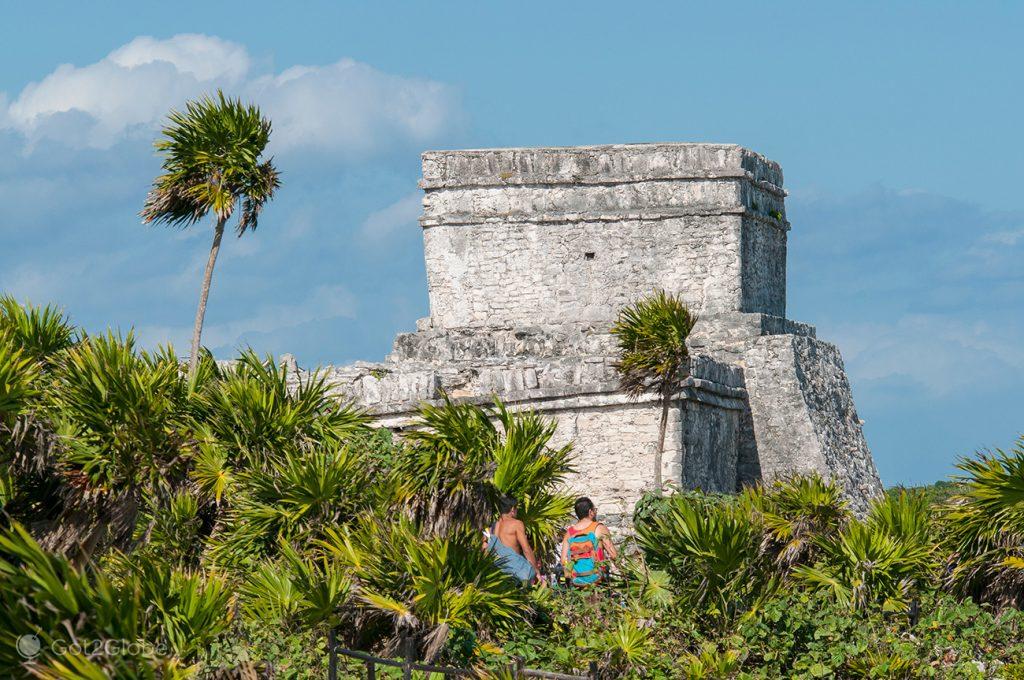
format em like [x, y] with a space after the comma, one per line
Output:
[898, 128]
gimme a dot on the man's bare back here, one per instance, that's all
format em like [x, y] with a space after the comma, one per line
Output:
[509, 531]
[511, 534]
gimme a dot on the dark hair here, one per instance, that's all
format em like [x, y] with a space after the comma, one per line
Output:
[506, 504]
[583, 507]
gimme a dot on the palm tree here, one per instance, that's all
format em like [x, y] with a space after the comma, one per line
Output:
[124, 437]
[653, 356]
[212, 162]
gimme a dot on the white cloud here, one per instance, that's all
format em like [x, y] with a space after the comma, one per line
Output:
[941, 353]
[131, 88]
[205, 57]
[352, 107]
[347, 107]
[381, 224]
[1005, 238]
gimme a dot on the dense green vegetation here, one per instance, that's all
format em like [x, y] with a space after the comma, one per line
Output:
[158, 523]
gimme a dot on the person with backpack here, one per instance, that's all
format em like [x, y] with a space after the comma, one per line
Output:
[586, 547]
[507, 541]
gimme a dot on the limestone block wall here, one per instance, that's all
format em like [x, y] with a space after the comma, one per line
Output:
[527, 273]
[517, 237]
[615, 447]
[710, 448]
[763, 267]
[803, 416]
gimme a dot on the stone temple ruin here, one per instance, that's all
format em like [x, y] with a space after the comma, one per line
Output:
[530, 255]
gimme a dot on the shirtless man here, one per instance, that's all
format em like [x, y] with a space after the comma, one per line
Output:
[508, 542]
[586, 546]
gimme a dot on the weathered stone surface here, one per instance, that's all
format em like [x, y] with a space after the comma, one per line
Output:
[523, 237]
[530, 255]
[801, 415]
[804, 419]
[597, 165]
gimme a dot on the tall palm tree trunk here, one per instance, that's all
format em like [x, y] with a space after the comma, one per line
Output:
[666, 403]
[204, 294]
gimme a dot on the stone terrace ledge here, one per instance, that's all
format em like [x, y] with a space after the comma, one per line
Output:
[394, 396]
[401, 416]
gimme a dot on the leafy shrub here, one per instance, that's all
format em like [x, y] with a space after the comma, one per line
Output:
[153, 623]
[255, 412]
[881, 560]
[984, 529]
[797, 513]
[42, 333]
[710, 550]
[425, 586]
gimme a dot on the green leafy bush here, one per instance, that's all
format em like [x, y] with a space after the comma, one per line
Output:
[711, 552]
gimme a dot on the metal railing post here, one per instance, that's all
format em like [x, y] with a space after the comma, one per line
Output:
[332, 655]
[408, 654]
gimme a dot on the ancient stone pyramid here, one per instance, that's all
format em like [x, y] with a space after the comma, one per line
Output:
[531, 253]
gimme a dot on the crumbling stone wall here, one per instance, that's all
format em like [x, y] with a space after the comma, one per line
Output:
[805, 419]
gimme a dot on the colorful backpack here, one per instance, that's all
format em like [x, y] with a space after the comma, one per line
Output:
[585, 556]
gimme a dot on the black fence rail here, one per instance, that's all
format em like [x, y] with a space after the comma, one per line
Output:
[516, 669]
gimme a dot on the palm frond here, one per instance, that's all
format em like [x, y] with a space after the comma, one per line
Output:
[428, 585]
[651, 335]
[882, 560]
[19, 381]
[39, 332]
[45, 595]
[462, 456]
[211, 161]
[710, 551]
[297, 498]
[983, 528]
[257, 410]
[123, 434]
[796, 512]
